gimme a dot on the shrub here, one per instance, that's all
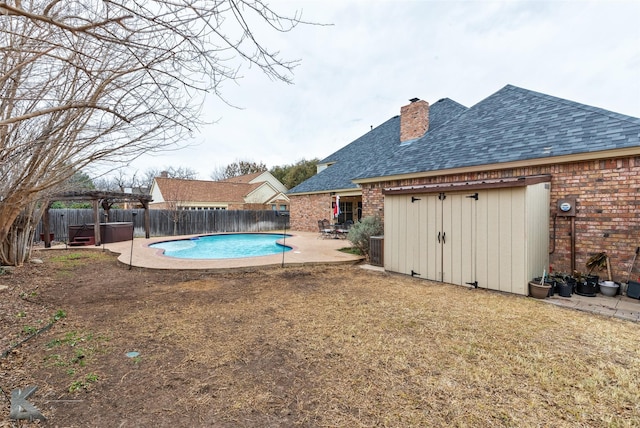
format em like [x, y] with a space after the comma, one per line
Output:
[360, 233]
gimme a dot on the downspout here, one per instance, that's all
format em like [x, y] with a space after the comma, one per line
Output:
[553, 237]
[573, 245]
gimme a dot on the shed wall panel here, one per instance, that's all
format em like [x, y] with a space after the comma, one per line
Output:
[518, 242]
[492, 244]
[391, 236]
[432, 257]
[482, 240]
[505, 263]
[537, 212]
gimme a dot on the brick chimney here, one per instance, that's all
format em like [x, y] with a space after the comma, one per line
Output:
[414, 120]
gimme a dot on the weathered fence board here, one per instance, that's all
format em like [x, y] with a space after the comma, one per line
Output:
[165, 222]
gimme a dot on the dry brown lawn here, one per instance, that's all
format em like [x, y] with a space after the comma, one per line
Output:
[318, 346]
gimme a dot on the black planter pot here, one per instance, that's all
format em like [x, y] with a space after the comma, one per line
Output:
[564, 288]
[589, 287]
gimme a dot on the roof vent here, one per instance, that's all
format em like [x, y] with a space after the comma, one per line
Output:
[413, 100]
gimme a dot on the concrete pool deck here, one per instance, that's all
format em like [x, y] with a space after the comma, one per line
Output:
[307, 248]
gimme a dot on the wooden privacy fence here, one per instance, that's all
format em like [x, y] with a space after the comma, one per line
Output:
[165, 222]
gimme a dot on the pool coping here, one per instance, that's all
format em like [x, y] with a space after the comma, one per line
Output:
[307, 248]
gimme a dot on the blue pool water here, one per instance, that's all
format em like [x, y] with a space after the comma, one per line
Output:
[230, 246]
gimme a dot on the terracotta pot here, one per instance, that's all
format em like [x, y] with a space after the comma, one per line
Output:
[538, 291]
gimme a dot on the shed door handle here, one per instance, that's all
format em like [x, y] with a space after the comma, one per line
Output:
[443, 237]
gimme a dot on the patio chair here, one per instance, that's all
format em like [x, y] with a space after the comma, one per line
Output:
[324, 228]
[341, 230]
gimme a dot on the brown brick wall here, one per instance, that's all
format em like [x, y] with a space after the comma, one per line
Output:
[608, 209]
[306, 210]
[372, 201]
[414, 120]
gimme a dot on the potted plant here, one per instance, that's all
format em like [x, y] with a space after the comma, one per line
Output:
[564, 284]
[541, 287]
[539, 290]
[597, 262]
[586, 284]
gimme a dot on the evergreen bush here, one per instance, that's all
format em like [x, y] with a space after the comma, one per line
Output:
[361, 231]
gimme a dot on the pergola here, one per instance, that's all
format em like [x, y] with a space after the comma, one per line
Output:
[98, 199]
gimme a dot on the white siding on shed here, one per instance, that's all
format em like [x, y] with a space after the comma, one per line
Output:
[495, 238]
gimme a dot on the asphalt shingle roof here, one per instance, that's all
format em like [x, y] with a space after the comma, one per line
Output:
[513, 124]
[377, 143]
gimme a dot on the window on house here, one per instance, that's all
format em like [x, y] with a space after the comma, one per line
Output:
[283, 207]
[346, 212]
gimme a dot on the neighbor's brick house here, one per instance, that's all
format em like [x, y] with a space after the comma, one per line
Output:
[589, 154]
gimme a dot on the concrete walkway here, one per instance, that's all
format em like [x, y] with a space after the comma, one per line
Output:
[307, 248]
[622, 307]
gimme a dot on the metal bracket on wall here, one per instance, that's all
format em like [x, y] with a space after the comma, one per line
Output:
[413, 199]
[413, 273]
[442, 196]
[474, 284]
[474, 196]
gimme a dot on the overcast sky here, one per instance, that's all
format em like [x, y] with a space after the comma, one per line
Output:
[376, 55]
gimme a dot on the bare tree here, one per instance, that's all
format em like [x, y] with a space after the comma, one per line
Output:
[182, 172]
[117, 182]
[175, 194]
[237, 168]
[97, 83]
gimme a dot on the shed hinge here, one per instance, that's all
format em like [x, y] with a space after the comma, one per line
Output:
[442, 196]
[413, 199]
[413, 273]
[474, 196]
[474, 284]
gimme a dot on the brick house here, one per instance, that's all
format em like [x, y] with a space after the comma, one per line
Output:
[479, 176]
[258, 191]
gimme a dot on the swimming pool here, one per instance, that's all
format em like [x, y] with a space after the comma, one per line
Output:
[225, 246]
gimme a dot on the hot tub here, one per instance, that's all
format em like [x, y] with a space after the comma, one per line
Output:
[83, 234]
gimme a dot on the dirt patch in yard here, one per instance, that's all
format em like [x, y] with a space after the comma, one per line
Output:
[302, 346]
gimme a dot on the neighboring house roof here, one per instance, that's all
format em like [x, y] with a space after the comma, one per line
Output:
[239, 190]
[346, 163]
[248, 178]
[175, 189]
[514, 124]
[258, 177]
